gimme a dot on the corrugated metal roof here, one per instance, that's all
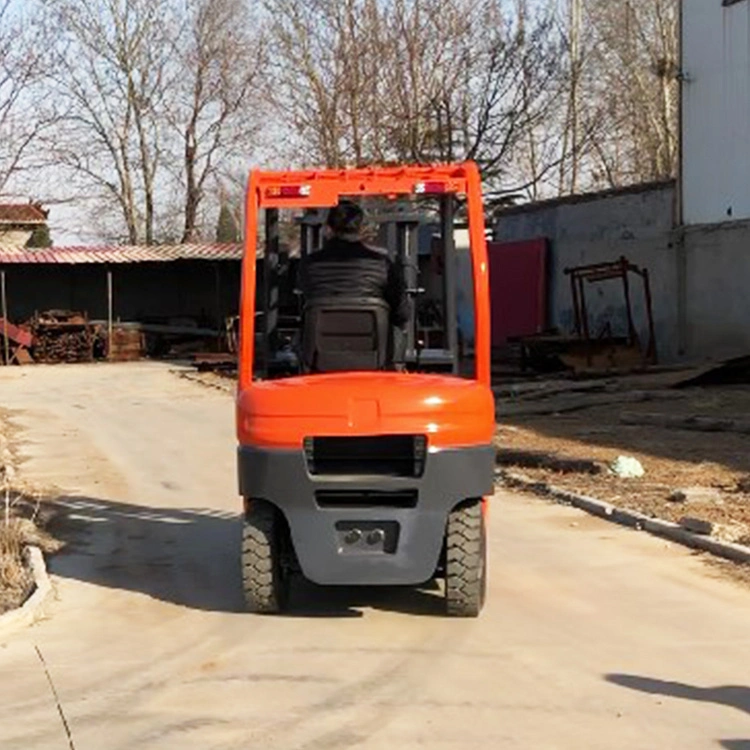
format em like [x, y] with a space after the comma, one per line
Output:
[22, 213]
[121, 253]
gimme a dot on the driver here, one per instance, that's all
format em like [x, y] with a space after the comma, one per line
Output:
[348, 267]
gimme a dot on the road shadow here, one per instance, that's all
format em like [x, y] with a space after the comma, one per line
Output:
[190, 557]
[313, 601]
[732, 696]
[183, 556]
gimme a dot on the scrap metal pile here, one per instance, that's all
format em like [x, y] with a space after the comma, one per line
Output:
[58, 336]
[589, 350]
[51, 337]
[62, 336]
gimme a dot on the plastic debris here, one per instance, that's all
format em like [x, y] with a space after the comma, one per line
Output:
[627, 467]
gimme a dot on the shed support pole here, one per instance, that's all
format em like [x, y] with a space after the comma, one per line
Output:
[6, 343]
[220, 323]
[109, 314]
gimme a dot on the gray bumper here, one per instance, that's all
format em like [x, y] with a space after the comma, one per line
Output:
[411, 554]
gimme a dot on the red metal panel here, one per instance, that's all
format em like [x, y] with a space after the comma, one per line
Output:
[518, 285]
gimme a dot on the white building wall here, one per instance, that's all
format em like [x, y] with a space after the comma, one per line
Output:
[716, 111]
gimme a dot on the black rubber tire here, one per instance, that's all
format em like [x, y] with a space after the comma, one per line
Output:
[466, 561]
[264, 579]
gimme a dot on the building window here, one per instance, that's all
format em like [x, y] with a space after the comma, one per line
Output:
[729, 2]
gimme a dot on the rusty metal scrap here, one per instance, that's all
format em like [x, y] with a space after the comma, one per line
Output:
[19, 341]
[602, 350]
[128, 343]
[598, 272]
[16, 334]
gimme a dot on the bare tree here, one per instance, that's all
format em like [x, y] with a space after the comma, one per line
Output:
[635, 65]
[162, 102]
[217, 99]
[110, 67]
[616, 120]
[24, 114]
[309, 69]
[513, 89]
[416, 80]
[159, 98]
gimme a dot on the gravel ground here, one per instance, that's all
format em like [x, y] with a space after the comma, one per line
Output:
[672, 459]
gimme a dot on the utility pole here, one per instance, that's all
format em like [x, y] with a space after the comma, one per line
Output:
[572, 119]
[575, 65]
[682, 263]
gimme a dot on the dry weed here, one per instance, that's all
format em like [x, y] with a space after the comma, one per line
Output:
[15, 578]
[19, 528]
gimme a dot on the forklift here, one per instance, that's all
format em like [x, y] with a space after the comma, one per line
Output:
[354, 472]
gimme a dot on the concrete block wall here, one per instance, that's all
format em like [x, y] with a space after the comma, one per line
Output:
[717, 285]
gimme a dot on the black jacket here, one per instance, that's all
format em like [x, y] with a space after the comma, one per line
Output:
[354, 269]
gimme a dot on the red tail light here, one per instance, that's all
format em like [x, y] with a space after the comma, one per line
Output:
[430, 188]
[289, 191]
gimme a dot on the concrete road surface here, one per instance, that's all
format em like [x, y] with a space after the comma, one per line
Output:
[594, 636]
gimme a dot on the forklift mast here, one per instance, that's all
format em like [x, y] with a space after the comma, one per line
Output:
[399, 232]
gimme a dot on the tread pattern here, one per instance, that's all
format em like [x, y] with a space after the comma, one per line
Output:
[466, 561]
[264, 584]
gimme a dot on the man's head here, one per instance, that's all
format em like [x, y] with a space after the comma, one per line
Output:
[347, 218]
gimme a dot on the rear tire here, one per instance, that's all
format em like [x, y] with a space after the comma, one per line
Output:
[264, 578]
[466, 561]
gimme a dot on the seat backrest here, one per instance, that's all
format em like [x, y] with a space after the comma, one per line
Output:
[340, 333]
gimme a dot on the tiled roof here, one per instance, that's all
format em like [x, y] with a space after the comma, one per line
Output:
[121, 253]
[22, 213]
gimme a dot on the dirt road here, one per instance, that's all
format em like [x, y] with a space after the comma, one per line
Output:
[594, 637]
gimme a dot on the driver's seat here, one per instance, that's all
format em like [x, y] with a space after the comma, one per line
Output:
[341, 333]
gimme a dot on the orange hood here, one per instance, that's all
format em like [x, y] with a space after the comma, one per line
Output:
[451, 411]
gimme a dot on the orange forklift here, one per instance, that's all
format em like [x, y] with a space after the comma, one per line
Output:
[354, 472]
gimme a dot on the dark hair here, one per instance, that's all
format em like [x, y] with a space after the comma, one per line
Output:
[346, 218]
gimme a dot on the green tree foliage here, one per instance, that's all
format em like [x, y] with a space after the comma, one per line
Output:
[41, 237]
[227, 229]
